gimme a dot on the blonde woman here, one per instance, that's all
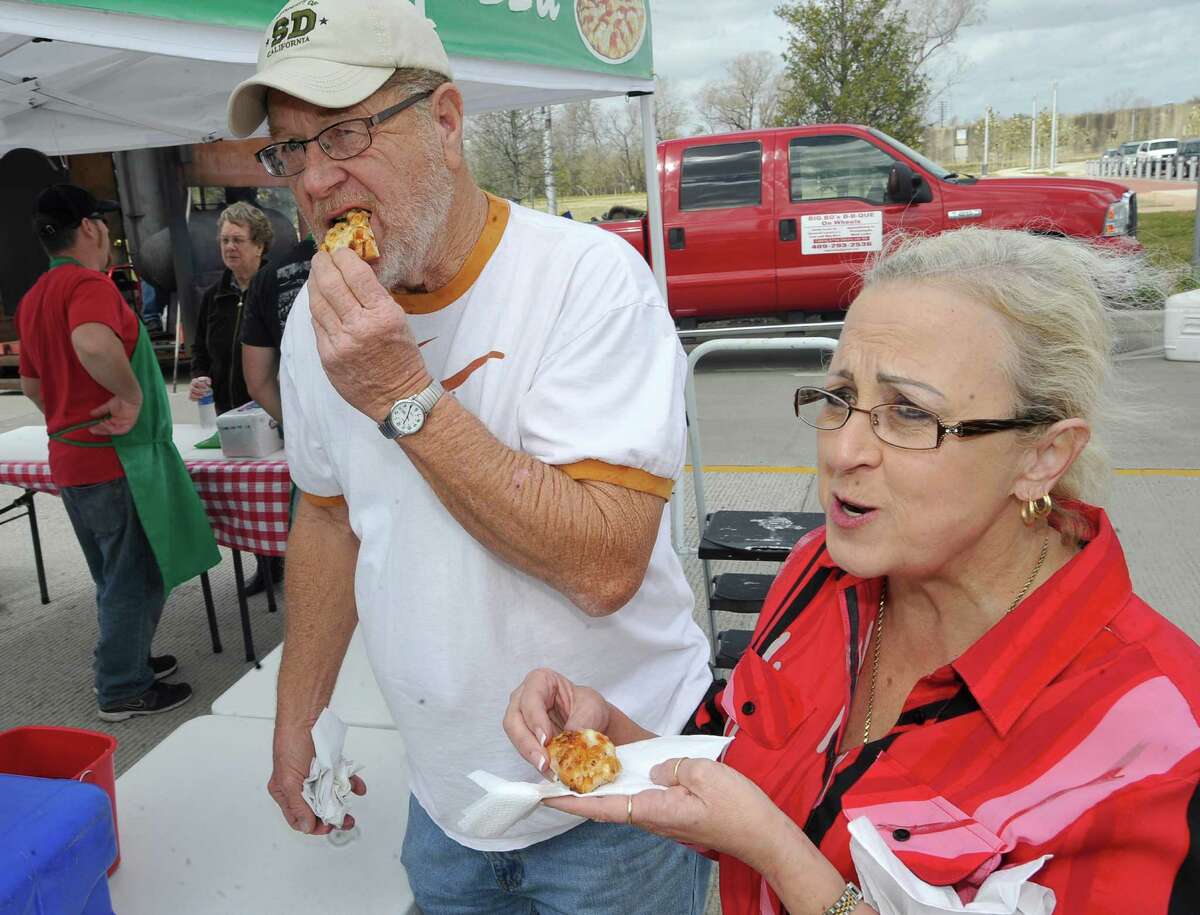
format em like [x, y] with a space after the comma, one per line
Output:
[952, 685]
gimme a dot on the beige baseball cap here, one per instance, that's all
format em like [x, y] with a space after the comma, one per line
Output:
[335, 53]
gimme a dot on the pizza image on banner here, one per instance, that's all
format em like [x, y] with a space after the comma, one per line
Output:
[837, 233]
[612, 29]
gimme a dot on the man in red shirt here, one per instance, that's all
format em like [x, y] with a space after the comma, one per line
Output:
[78, 336]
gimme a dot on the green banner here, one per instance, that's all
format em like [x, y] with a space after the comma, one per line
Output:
[606, 36]
[243, 14]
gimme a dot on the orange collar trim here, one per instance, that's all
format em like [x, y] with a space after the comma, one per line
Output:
[425, 303]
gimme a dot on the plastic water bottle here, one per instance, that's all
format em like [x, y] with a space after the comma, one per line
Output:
[208, 412]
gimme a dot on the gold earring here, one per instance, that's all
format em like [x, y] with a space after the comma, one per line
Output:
[1037, 508]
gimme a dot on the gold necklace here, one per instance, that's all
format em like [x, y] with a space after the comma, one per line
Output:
[878, 637]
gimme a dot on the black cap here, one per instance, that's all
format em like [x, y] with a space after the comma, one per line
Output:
[64, 206]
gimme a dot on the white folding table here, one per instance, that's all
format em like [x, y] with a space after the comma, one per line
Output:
[356, 697]
[199, 833]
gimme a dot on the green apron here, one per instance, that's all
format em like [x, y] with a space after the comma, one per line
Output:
[163, 493]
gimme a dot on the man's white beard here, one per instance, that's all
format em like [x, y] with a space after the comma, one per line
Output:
[408, 252]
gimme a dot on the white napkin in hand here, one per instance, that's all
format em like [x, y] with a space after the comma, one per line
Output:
[507, 803]
[327, 787]
[895, 890]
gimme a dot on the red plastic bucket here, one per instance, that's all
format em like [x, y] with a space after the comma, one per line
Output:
[46, 752]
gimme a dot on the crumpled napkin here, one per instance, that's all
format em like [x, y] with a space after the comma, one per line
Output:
[895, 890]
[327, 788]
[507, 803]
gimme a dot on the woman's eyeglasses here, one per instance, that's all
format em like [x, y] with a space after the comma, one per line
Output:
[900, 425]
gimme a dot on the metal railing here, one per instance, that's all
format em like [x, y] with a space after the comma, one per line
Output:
[1176, 168]
[821, 344]
[758, 330]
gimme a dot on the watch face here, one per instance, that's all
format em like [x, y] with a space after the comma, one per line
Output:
[408, 417]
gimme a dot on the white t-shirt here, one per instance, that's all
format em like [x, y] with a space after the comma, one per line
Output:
[563, 347]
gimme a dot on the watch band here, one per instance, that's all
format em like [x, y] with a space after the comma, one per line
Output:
[847, 902]
[430, 396]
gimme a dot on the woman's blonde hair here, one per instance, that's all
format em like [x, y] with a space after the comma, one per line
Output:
[1057, 296]
[250, 218]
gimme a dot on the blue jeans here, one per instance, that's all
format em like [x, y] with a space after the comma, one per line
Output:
[129, 588]
[595, 869]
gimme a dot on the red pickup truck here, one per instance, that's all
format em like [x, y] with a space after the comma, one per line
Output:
[777, 222]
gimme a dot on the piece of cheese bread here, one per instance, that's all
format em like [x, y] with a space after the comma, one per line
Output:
[353, 231]
[583, 760]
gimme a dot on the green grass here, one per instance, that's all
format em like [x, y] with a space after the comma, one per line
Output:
[584, 208]
[1168, 239]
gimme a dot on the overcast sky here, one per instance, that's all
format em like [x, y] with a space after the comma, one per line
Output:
[1101, 52]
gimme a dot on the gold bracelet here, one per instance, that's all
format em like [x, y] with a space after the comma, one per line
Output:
[847, 902]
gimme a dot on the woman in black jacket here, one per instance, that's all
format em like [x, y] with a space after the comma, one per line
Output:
[245, 235]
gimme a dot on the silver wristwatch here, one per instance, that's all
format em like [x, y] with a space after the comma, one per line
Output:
[408, 416]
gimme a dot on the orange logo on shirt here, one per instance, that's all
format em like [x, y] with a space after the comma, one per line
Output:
[458, 379]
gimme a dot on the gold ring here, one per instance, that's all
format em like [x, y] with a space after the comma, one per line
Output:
[678, 763]
[629, 811]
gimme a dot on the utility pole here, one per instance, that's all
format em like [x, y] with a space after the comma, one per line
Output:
[1033, 137]
[987, 130]
[1196, 234]
[548, 163]
[1053, 127]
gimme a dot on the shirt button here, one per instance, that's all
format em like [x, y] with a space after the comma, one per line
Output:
[901, 835]
[748, 708]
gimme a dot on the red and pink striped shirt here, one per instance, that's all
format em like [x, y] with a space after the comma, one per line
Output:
[1069, 729]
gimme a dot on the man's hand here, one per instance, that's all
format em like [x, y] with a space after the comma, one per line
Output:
[120, 416]
[363, 336]
[200, 386]
[293, 758]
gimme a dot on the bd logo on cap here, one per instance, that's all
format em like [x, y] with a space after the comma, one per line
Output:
[292, 30]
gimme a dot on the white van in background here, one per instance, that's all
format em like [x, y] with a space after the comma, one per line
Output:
[1154, 150]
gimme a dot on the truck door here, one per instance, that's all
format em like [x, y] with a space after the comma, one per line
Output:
[831, 214]
[720, 259]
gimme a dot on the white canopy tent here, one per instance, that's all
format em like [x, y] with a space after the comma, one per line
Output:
[80, 76]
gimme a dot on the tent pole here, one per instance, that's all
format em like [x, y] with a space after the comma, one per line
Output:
[658, 254]
[658, 258]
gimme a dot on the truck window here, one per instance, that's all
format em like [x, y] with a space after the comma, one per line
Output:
[830, 167]
[719, 177]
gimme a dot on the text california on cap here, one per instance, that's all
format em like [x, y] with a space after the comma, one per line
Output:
[334, 54]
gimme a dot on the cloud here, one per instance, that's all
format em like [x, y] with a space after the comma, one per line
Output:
[1096, 50]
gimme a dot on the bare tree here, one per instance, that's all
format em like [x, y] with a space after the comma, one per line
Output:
[505, 150]
[936, 22]
[748, 95]
[670, 111]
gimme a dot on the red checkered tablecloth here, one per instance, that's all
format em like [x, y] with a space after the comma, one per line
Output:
[246, 500]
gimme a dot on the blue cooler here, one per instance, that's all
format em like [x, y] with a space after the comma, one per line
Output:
[57, 844]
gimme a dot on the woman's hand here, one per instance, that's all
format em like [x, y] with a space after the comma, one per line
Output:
[545, 704]
[707, 804]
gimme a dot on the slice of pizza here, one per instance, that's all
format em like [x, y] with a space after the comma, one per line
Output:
[353, 231]
[583, 760]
